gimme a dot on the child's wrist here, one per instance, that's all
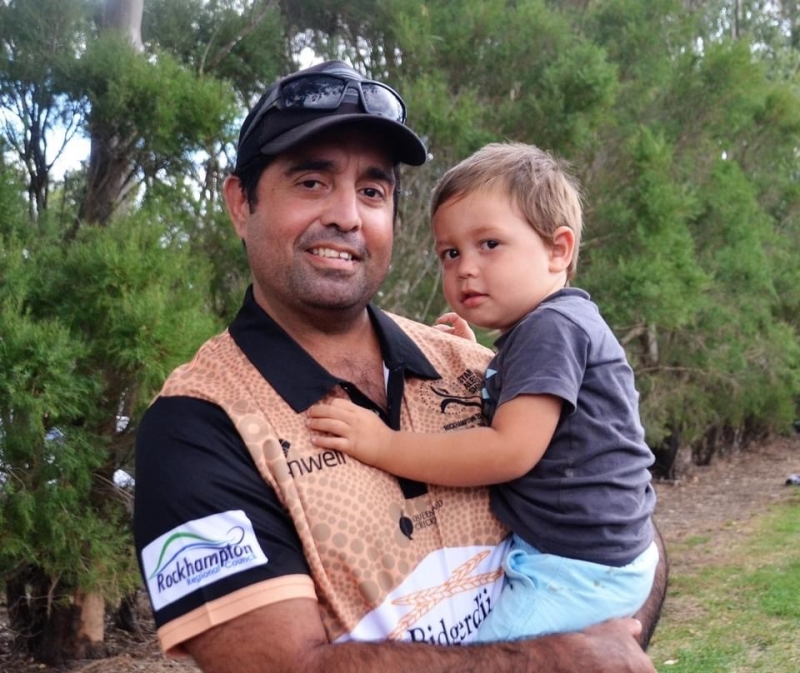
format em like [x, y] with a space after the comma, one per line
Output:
[380, 449]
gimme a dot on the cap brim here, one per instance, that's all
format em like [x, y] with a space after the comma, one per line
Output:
[408, 148]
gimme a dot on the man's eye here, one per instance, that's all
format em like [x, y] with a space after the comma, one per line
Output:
[310, 183]
[373, 193]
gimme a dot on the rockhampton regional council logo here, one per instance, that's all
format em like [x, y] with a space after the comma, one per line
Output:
[199, 553]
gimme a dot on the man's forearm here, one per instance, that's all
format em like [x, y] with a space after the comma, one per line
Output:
[296, 642]
[650, 612]
[402, 656]
[608, 648]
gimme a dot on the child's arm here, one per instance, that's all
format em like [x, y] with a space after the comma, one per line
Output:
[520, 433]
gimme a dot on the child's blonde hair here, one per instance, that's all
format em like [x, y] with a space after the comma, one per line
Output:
[540, 184]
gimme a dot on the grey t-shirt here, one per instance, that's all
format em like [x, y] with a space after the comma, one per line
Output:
[589, 497]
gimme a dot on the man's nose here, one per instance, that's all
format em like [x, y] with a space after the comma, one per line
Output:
[343, 212]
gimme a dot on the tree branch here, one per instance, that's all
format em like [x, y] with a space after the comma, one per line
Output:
[226, 49]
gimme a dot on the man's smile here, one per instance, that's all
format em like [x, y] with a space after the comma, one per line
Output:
[331, 253]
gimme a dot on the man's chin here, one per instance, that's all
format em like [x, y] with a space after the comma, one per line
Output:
[339, 305]
[341, 294]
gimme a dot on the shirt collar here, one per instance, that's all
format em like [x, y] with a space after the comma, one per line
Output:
[299, 379]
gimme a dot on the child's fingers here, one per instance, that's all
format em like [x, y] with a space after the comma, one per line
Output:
[449, 317]
[333, 426]
[330, 442]
[336, 412]
[329, 433]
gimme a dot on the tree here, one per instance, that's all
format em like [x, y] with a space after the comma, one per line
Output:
[716, 111]
[85, 345]
[40, 42]
[111, 167]
[78, 361]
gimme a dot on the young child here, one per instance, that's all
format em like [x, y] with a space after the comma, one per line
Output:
[565, 448]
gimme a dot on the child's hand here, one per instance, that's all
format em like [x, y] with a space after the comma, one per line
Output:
[452, 323]
[355, 430]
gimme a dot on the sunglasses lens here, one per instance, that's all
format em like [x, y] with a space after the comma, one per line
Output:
[381, 101]
[319, 92]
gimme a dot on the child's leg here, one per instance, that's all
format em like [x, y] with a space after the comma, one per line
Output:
[544, 593]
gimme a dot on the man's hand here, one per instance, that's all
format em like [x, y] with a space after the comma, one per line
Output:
[354, 430]
[454, 324]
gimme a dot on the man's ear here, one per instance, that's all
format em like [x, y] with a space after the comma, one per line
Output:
[562, 249]
[237, 204]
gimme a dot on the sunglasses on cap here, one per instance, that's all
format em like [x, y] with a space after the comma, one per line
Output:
[318, 91]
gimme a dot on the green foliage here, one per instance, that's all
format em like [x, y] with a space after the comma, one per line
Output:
[687, 246]
[641, 262]
[41, 37]
[13, 222]
[89, 340]
[150, 110]
[41, 40]
[243, 43]
[137, 308]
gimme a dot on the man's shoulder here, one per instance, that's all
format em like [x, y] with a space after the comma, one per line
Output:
[218, 360]
[442, 349]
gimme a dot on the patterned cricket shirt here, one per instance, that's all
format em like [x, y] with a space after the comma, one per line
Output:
[236, 509]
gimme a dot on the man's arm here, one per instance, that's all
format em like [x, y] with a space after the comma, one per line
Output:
[288, 636]
[650, 612]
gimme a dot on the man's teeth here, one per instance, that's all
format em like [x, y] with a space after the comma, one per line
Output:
[327, 252]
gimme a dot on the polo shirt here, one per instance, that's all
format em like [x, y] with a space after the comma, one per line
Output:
[235, 509]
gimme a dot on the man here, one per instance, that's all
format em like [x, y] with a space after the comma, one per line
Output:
[261, 552]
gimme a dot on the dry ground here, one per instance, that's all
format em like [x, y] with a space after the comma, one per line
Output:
[716, 503]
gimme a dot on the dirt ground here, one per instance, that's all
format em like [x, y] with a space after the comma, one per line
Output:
[715, 502]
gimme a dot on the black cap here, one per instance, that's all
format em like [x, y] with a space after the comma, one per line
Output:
[280, 129]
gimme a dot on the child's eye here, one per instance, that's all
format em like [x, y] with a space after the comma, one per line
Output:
[490, 244]
[450, 253]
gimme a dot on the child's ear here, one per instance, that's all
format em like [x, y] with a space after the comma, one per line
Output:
[562, 249]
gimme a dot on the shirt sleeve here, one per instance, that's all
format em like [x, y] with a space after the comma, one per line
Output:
[206, 525]
[546, 354]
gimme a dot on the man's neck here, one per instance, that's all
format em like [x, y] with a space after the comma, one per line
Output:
[344, 342]
[353, 355]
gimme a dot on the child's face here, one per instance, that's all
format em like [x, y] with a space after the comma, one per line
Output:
[496, 268]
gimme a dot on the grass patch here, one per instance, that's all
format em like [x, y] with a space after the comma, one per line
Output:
[740, 612]
[695, 541]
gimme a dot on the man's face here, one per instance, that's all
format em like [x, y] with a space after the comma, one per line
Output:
[319, 238]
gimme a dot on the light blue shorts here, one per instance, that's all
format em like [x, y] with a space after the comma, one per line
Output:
[543, 593]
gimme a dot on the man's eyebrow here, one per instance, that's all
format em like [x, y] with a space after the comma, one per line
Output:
[381, 174]
[303, 165]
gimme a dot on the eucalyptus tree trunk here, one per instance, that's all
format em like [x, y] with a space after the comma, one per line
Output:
[108, 173]
[75, 624]
[110, 170]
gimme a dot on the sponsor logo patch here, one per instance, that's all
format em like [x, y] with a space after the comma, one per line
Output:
[199, 553]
